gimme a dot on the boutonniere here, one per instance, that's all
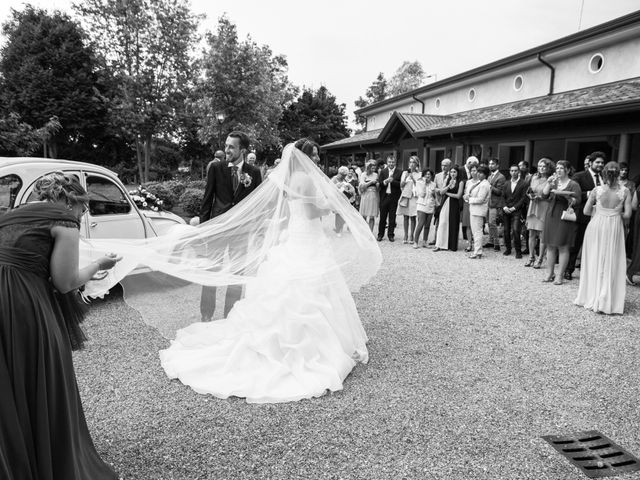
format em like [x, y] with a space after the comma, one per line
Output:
[245, 179]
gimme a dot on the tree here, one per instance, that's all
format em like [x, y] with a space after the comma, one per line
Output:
[376, 92]
[246, 82]
[147, 46]
[21, 139]
[46, 71]
[409, 76]
[315, 114]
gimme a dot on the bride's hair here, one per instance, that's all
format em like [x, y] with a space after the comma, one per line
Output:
[57, 187]
[306, 146]
[610, 173]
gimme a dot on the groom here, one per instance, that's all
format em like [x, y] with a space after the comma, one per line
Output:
[228, 182]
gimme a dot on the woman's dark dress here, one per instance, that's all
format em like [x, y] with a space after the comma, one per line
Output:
[43, 431]
[558, 232]
[454, 217]
[634, 266]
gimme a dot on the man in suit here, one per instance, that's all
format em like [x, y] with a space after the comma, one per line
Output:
[228, 183]
[389, 195]
[514, 196]
[496, 202]
[587, 179]
[440, 180]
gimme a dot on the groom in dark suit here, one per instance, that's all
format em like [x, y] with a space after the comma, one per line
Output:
[228, 183]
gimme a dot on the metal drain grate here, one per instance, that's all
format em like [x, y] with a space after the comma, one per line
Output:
[595, 454]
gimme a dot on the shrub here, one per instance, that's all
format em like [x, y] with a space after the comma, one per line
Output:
[164, 193]
[191, 200]
[200, 184]
[177, 187]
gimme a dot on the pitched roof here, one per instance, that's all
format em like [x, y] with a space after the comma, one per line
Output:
[370, 136]
[611, 98]
[581, 36]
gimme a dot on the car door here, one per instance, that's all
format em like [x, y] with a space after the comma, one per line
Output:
[111, 212]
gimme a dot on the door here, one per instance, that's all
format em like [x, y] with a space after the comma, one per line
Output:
[111, 213]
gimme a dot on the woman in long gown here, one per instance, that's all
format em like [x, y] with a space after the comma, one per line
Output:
[448, 230]
[603, 262]
[297, 332]
[43, 432]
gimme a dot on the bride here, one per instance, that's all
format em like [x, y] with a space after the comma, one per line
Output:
[296, 334]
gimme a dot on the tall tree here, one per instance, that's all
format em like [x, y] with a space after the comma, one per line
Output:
[409, 76]
[147, 45]
[315, 114]
[47, 70]
[21, 139]
[376, 92]
[246, 82]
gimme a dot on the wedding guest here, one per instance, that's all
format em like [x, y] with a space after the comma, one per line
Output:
[603, 262]
[624, 178]
[445, 166]
[514, 194]
[628, 224]
[369, 198]
[537, 212]
[270, 169]
[525, 174]
[407, 205]
[466, 217]
[389, 190]
[478, 198]
[496, 202]
[448, 229]
[43, 433]
[634, 265]
[353, 179]
[559, 235]
[471, 161]
[217, 157]
[587, 181]
[425, 206]
[251, 158]
[340, 181]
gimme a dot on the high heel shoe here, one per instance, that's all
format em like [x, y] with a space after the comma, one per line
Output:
[538, 264]
[468, 249]
[531, 261]
[559, 281]
[476, 255]
[437, 249]
[630, 280]
[550, 278]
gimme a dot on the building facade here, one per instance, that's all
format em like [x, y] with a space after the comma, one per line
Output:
[562, 100]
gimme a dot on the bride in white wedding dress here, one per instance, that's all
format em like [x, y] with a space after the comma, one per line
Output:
[296, 334]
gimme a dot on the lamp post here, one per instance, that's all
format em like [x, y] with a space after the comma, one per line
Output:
[220, 117]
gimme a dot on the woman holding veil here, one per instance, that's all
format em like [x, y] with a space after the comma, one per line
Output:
[296, 333]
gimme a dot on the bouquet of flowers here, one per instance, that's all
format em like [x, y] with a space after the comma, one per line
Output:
[146, 200]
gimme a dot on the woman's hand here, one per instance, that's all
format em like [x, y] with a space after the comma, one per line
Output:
[108, 261]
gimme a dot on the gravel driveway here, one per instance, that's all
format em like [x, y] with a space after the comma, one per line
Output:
[471, 362]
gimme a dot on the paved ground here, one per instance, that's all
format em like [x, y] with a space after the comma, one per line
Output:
[471, 363]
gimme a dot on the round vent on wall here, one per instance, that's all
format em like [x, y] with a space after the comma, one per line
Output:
[437, 103]
[596, 63]
[517, 83]
[472, 94]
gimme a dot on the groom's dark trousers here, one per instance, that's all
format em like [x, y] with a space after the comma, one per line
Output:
[219, 197]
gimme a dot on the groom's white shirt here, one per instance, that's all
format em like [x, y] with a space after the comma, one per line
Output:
[239, 165]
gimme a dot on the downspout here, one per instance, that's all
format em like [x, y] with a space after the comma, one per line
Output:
[553, 72]
[418, 100]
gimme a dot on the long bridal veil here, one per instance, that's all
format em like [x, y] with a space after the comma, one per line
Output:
[162, 277]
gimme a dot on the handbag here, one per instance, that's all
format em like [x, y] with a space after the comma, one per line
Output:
[404, 202]
[568, 215]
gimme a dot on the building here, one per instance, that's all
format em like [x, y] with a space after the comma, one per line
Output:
[563, 99]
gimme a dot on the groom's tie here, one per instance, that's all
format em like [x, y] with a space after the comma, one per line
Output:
[234, 177]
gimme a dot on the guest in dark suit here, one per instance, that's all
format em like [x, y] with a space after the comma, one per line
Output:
[587, 180]
[496, 202]
[228, 183]
[514, 198]
[389, 180]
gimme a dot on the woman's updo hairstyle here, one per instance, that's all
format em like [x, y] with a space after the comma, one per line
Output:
[610, 173]
[58, 187]
[306, 146]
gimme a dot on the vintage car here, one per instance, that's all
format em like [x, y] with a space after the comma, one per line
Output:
[112, 212]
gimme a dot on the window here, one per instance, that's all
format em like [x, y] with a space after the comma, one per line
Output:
[437, 103]
[9, 187]
[472, 94]
[517, 83]
[596, 63]
[105, 197]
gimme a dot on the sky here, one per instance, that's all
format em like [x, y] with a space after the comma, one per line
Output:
[344, 44]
